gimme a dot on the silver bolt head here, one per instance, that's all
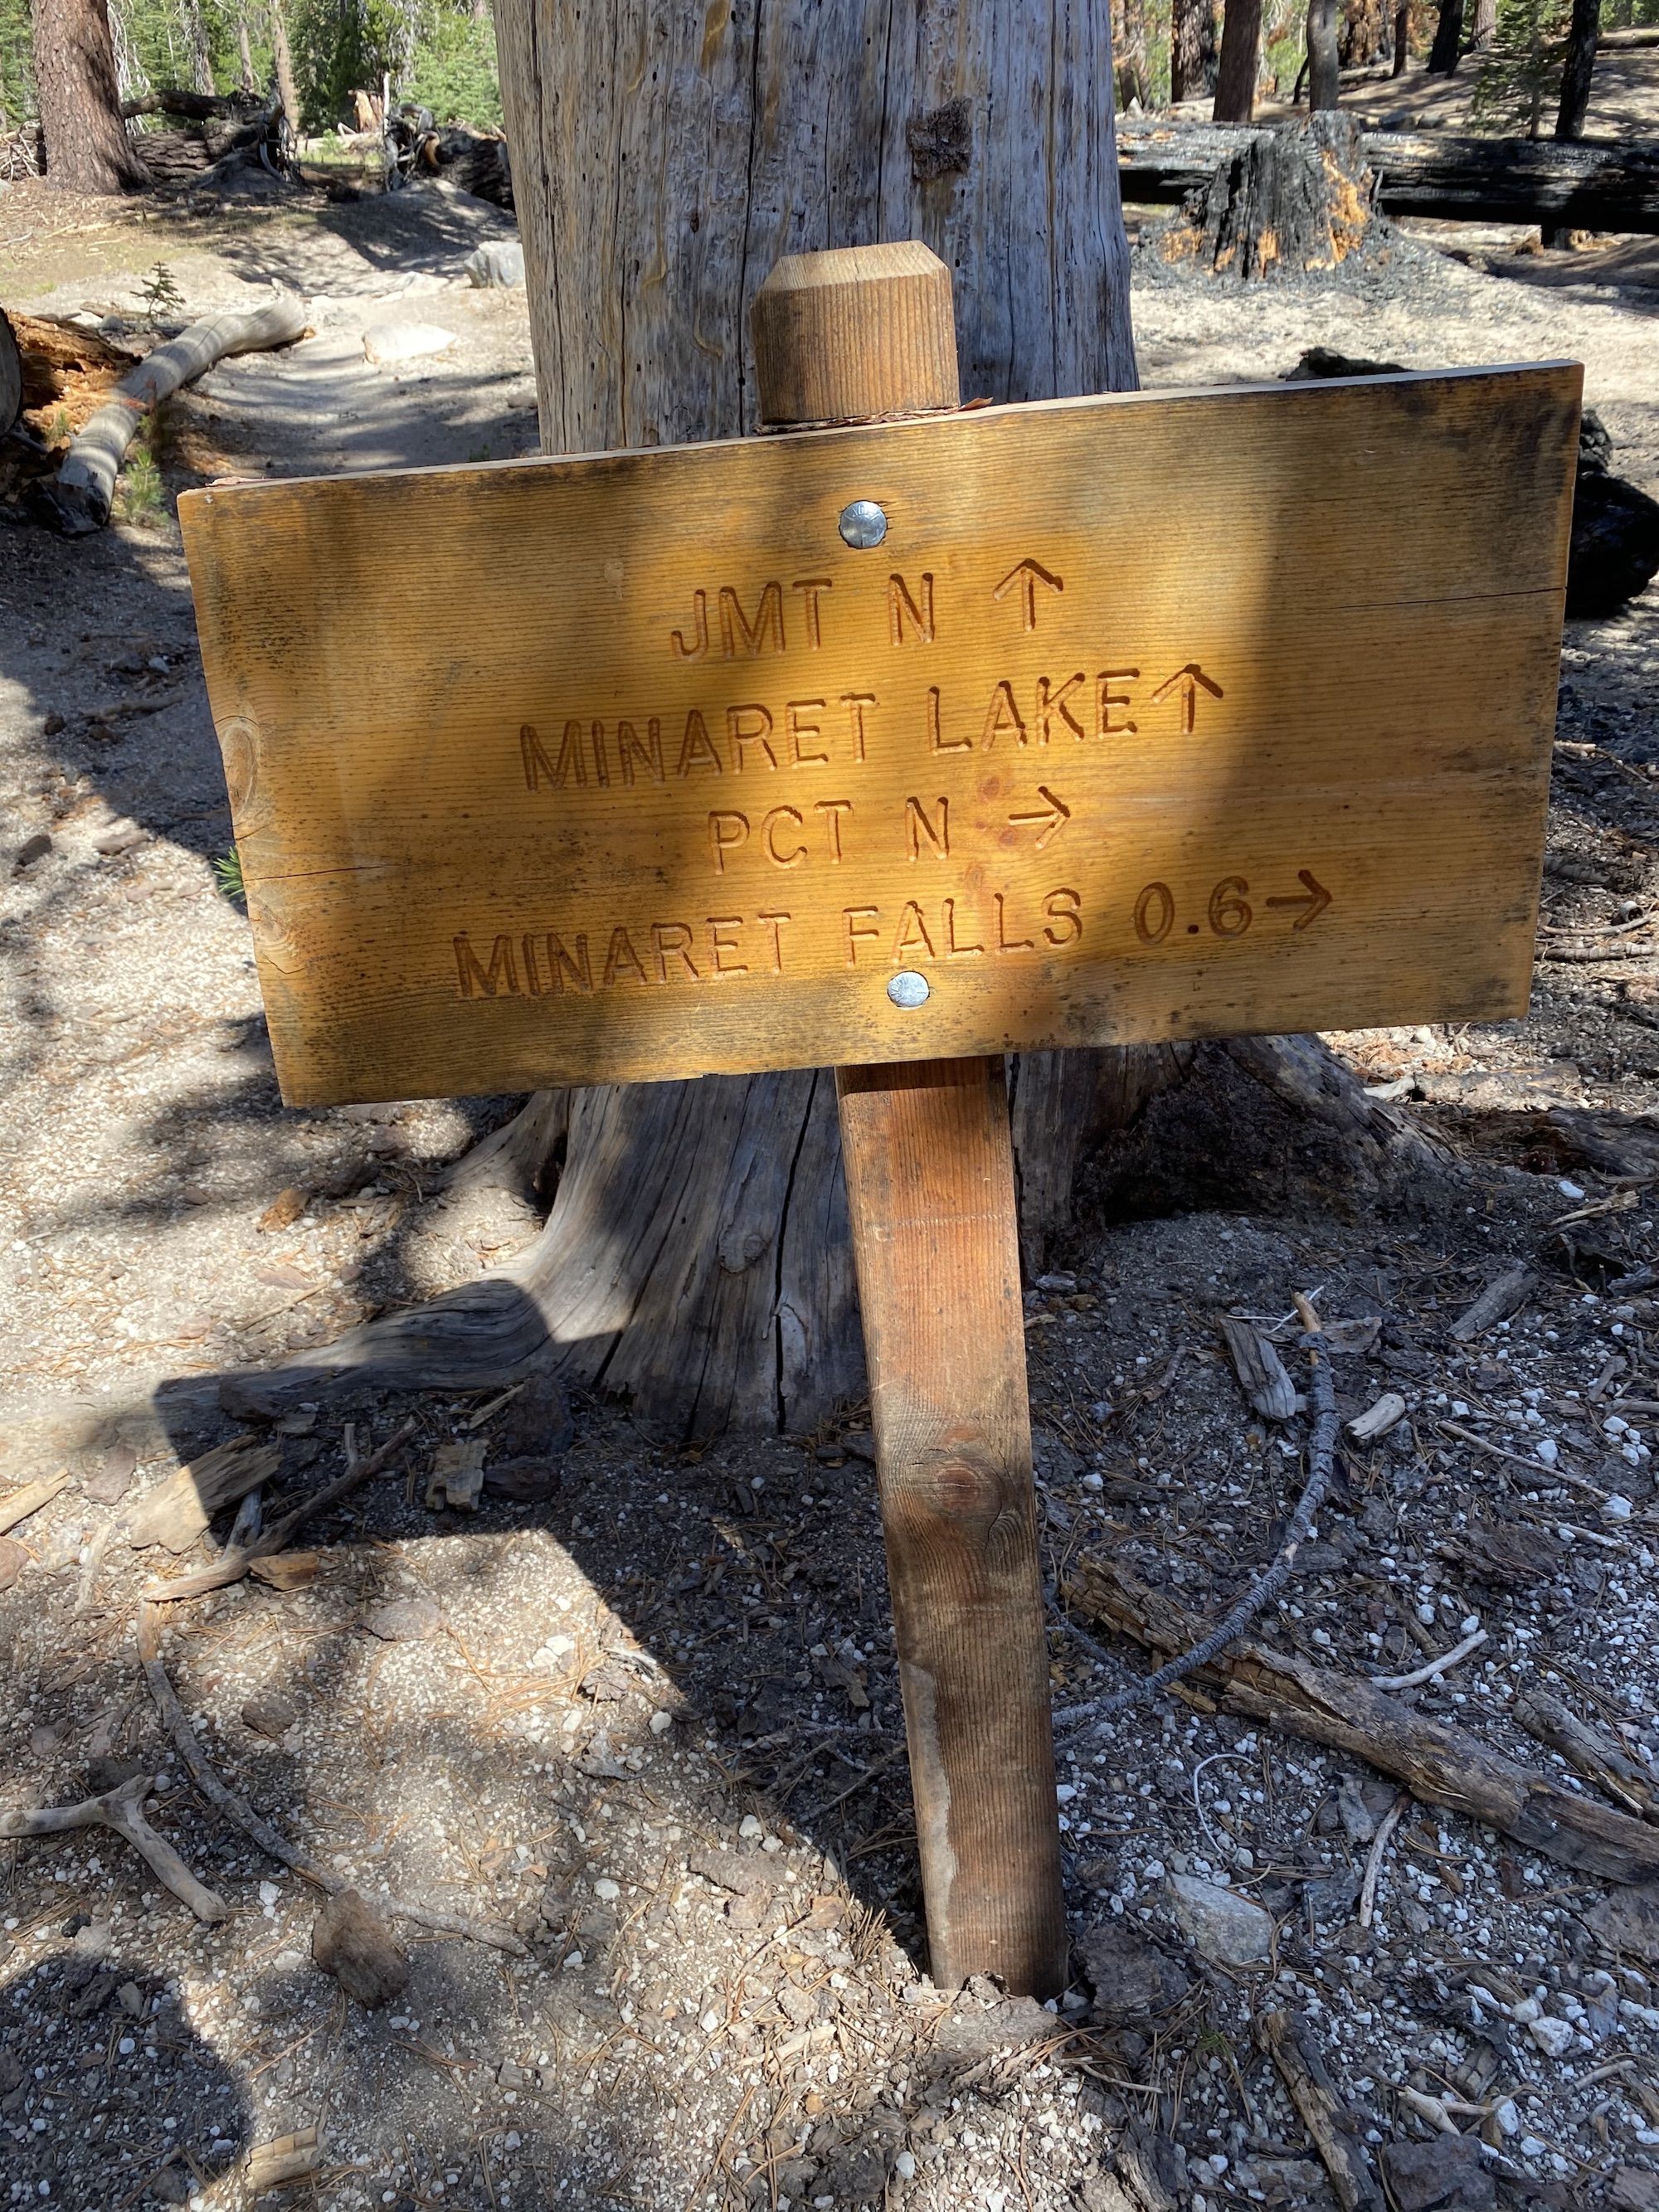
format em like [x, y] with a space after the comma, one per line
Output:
[862, 525]
[909, 989]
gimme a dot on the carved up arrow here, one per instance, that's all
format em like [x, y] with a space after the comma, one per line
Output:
[1028, 575]
[1185, 681]
[1316, 898]
[1053, 817]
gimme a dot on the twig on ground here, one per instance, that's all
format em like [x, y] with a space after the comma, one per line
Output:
[1435, 1668]
[238, 1811]
[1547, 1477]
[1322, 1463]
[234, 1563]
[1385, 1828]
[119, 1809]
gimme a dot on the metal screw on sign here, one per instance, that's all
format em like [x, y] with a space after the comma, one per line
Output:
[906, 988]
[862, 525]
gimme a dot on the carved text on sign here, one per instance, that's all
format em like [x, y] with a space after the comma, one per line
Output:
[695, 775]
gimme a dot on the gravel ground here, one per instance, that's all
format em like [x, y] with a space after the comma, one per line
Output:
[643, 1714]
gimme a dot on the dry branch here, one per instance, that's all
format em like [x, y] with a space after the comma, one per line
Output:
[178, 1510]
[233, 1563]
[80, 498]
[118, 1809]
[1438, 1763]
[242, 1815]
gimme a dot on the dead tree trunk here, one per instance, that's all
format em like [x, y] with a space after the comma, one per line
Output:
[88, 148]
[1241, 47]
[696, 1254]
[1192, 50]
[1402, 37]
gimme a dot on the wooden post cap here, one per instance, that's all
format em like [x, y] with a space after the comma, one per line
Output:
[863, 331]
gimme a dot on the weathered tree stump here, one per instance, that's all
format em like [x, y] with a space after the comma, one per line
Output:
[1289, 200]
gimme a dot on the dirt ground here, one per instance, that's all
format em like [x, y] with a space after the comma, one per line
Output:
[642, 1716]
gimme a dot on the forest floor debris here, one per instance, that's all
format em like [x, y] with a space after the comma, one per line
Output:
[650, 1725]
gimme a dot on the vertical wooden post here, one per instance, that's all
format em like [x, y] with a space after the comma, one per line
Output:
[930, 1184]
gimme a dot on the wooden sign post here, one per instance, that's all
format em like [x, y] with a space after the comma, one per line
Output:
[896, 746]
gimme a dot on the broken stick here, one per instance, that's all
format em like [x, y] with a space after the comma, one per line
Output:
[1285, 2036]
[1438, 1763]
[18, 1504]
[118, 1809]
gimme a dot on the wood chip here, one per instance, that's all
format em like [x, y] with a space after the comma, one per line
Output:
[288, 1570]
[20, 1504]
[1260, 1370]
[284, 1209]
[351, 1941]
[179, 1510]
[457, 1478]
[294, 2157]
[1377, 1420]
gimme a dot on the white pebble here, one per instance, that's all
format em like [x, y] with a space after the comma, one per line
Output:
[1554, 2037]
[905, 2165]
[1569, 1189]
[607, 1889]
[661, 1722]
[749, 1828]
[1547, 1450]
[1616, 1508]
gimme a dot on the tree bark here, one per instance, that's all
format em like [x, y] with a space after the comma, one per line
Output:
[288, 90]
[1448, 39]
[1241, 44]
[250, 84]
[1191, 49]
[1402, 37]
[1324, 68]
[88, 148]
[1486, 26]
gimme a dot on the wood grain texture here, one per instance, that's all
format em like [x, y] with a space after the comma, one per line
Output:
[863, 331]
[930, 1188]
[1060, 876]
[928, 1158]
[666, 155]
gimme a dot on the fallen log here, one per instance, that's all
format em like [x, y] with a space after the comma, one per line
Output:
[1439, 1764]
[1612, 187]
[78, 500]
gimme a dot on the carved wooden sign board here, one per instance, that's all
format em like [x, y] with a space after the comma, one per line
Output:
[1145, 717]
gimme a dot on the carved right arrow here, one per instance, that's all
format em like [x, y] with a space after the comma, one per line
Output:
[1316, 898]
[1053, 816]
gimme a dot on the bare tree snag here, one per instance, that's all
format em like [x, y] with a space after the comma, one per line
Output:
[1445, 52]
[288, 88]
[695, 1257]
[930, 1184]
[88, 149]
[1241, 49]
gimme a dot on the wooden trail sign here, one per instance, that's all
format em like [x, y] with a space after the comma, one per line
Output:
[902, 744]
[1146, 717]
